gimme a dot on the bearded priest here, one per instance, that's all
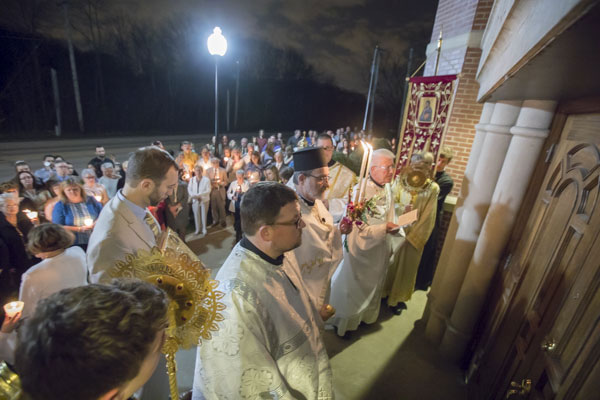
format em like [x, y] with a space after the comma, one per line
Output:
[321, 250]
[357, 284]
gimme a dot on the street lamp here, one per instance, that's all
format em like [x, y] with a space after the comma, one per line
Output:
[217, 46]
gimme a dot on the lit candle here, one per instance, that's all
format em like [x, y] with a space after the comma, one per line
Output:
[31, 214]
[88, 221]
[12, 308]
[98, 198]
[362, 171]
[367, 170]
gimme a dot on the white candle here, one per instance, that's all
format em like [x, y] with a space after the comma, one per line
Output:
[368, 169]
[362, 171]
[31, 214]
[98, 198]
[12, 308]
[88, 221]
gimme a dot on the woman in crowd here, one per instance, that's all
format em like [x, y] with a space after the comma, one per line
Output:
[32, 190]
[285, 174]
[61, 267]
[227, 162]
[271, 174]
[76, 211]
[92, 187]
[199, 193]
[14, 260]
[268, 154]
[237, 163]
[254, 165]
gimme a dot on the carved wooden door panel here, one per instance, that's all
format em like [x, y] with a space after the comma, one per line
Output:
[540, 346]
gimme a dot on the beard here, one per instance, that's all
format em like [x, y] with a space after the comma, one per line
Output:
[154, 198]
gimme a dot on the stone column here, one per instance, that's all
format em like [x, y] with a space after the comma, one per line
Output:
[477, 198]
[439, 278]
[529, 133]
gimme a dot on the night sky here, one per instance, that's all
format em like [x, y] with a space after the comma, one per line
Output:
[336, 36]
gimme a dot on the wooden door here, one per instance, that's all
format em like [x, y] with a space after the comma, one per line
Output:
[547, 316]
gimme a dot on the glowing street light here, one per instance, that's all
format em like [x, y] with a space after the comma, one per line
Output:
[217, 46]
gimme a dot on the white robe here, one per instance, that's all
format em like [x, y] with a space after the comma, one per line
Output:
[320, 253]
[357, 284]
[269, 345]
[341, 182]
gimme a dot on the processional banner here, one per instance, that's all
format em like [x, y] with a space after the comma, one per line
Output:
[425, 121]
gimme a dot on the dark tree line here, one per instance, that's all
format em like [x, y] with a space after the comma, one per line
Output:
[159, 77]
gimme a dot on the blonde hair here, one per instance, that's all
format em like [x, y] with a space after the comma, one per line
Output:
[68, 183]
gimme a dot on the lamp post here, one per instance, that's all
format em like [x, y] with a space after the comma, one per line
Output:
[217, 46]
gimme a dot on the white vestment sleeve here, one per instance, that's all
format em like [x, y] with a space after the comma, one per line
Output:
[237, 361]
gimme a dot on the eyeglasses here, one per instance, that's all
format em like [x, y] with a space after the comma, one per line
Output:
[295, 222]
[386, 167]
[321, 179]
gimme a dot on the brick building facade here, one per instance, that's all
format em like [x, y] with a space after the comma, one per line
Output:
[462, 23]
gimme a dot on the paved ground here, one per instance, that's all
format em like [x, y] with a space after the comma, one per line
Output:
[80, 151]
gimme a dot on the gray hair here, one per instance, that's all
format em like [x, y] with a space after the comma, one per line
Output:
[107, 165]
[385, 153]
[298, 173]
[88, 171]
[5, 197]
[214, 160]
[239, 172]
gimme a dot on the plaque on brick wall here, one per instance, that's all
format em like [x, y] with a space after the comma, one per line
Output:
[428, 108]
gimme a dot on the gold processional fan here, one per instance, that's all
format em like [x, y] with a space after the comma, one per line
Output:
[415, 178]
[194, 307]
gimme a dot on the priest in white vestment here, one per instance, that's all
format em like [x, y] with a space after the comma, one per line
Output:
[341, 180]
[402, 273]
[321, 250]
[269, 345]
[357, 284]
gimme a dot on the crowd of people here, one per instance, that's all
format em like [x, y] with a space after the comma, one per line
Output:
[299, 264]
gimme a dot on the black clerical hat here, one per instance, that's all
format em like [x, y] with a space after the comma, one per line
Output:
[309, 158]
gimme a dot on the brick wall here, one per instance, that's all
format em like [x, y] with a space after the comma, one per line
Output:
[458, 17]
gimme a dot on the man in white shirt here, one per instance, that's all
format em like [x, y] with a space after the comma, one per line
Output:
[269, 344]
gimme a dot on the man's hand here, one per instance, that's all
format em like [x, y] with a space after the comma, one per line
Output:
[392, 228]
[175, 209]
[408, 208]
[345, 226]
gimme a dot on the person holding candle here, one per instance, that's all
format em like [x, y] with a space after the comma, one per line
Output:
[92, 187]
[321, 251]
[30, 189]
[14, 259]
[357, 284]
[76, 211]
[177, 209]
[61, 267]
[218, 180]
